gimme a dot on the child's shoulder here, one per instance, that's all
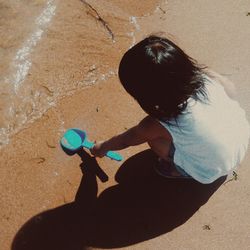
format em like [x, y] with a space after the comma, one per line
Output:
[228, 85]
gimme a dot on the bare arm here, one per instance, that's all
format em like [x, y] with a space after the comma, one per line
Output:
[148, 129]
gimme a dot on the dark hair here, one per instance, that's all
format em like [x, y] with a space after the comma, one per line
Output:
[161, 77]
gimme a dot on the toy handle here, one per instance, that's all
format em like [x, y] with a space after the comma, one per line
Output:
[88, 144]
[114, 156]
[111, 154]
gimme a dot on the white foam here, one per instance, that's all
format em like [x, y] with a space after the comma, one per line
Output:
[4, 138]
[22, 61]
[132, 35]
[133, 20]
[106, 76]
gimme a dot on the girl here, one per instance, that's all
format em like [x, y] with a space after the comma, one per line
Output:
[194, 124]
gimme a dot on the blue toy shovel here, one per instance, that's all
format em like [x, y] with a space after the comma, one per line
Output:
[74, 139]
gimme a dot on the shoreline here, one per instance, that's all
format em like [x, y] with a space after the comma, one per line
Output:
[74, 52]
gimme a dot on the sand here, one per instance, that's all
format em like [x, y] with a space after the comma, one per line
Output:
[50, 200]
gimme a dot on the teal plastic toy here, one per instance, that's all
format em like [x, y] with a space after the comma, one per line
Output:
[74, 139]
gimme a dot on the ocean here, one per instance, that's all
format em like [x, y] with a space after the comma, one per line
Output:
[50, 49]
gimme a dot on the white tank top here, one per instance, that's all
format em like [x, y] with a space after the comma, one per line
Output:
[210, 138]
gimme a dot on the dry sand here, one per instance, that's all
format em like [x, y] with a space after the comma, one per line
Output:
[52, 201]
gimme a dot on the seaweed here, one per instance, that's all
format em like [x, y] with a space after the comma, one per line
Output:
[234, 178]
[47, 90]
[97, 16]
[38, 160]
[162, 10]
[206, 227]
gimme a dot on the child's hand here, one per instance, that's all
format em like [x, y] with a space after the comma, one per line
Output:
[98, 150]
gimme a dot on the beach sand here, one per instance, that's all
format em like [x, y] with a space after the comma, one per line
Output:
[50, 200]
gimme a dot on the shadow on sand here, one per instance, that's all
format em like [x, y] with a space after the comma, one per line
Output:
[141, 206]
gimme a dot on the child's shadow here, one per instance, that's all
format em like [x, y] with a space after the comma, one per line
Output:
[141, 206]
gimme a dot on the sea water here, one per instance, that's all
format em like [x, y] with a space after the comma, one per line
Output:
[50, 49]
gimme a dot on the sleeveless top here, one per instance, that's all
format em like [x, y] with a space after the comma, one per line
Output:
[210, 137]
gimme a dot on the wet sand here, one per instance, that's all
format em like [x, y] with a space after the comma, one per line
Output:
[53, 201]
